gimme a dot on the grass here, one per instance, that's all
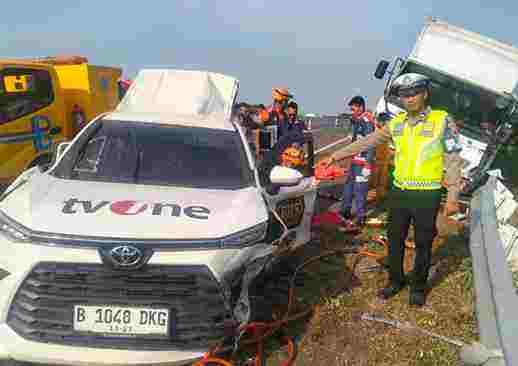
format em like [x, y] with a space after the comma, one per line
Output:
[335, 334]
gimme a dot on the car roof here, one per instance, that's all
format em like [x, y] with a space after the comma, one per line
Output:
[164, 118]
[180, 97]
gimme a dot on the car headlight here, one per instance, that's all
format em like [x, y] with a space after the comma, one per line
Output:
[246, 237]
[11, 231]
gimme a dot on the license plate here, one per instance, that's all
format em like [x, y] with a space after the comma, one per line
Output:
[129, 321]
[291, 211]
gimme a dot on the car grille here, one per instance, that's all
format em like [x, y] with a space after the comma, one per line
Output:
[42, 309]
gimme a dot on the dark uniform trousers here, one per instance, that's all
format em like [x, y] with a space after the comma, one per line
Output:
[419, 208]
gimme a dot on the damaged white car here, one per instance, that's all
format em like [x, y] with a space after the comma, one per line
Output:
[138, 245]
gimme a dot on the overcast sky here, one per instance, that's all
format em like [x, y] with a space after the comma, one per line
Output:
[324, 51]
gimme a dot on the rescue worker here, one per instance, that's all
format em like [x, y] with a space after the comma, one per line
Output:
[277, 111]
[293, 123]
[426, 142]
[357, 184]
[293, 157]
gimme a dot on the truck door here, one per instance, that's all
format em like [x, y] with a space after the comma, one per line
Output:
[295, 205]
[29, 115]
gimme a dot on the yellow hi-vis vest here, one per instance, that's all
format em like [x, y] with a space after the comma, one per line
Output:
[419, 151]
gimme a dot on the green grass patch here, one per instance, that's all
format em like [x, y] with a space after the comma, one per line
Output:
[335, 334]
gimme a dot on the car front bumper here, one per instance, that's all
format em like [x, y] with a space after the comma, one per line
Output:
[20, 261]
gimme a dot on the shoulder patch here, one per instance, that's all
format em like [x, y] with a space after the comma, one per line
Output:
[398, 129]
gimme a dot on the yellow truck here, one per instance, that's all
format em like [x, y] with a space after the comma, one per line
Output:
[46, 101]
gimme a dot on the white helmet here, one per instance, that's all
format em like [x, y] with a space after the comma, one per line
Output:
[410, 81]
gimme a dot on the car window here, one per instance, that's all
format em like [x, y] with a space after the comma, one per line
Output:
[22, 92]
[144, 153]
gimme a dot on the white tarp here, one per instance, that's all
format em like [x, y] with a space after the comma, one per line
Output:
[197, 94]
[509, 238]
[506, 205]
[467, 55]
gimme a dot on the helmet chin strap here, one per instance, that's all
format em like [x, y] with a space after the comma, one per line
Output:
[418, 112]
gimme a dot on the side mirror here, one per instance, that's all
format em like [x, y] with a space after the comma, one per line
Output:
[284, 176]
[381, 69]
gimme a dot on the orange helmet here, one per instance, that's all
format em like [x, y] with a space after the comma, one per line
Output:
[292, 156]
[264, 115]
[281, 94]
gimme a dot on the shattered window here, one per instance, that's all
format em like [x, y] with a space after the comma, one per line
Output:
[90, 156]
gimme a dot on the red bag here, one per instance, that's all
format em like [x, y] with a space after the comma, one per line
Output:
[328, 172]
[329, 218]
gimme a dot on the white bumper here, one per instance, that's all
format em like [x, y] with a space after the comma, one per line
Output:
[12, 346]
[20, 259]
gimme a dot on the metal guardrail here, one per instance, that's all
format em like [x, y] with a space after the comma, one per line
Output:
[496, 297]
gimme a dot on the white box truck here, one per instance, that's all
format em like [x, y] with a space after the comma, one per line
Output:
[474, 78]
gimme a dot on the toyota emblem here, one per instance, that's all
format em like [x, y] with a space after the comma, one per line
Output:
[126, 255]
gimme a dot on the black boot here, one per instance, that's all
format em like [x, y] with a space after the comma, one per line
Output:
[346, 214]
[417, 298]
[390, 291]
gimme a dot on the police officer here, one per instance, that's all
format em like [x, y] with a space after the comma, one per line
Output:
[426, 143]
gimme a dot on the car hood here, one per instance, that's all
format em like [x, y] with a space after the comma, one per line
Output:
[51, 205]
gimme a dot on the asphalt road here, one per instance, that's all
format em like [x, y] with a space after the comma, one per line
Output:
[321, 122]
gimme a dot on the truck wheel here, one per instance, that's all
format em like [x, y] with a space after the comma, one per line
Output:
[42, 160]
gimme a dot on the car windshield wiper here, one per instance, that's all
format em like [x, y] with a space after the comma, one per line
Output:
[140, 156]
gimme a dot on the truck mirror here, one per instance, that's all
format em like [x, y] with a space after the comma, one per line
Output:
[55, 130]
[381, 69]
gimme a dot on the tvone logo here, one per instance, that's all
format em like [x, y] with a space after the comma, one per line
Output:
[129, 208]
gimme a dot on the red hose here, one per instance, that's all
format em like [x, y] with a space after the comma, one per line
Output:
[260, 330]
[213, 360]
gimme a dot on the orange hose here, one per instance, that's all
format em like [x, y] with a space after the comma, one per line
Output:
[292, 352]
[214, 360]
[262, 330]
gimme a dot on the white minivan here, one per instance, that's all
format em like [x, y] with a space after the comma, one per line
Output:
[138, 244]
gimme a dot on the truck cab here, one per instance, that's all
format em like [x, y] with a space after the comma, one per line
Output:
[45, 101]
[482, 97]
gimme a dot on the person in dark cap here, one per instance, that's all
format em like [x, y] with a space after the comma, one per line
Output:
[357, 184]
[293, 123]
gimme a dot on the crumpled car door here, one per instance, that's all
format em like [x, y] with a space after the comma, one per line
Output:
[294, 205]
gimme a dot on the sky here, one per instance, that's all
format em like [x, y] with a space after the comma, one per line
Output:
[324, 52]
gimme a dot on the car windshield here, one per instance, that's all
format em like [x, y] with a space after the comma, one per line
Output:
[145, 153]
